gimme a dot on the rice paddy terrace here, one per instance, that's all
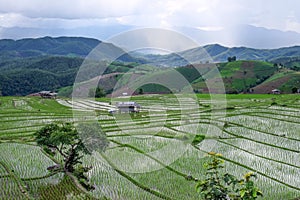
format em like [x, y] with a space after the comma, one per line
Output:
[153, 154]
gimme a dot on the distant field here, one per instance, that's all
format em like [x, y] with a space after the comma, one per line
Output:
[262, 135]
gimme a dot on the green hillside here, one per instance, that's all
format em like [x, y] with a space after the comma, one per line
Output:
[60, 46]
[22, 77]
[30, 75]
[289, 62]
[240, 76]
[115, 78]
[287, 81]
[46, 46]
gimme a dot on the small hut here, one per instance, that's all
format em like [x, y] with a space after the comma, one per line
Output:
[128, 107]
[275, 91]
[48, 94]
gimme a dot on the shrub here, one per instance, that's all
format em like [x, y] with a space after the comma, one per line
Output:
[224, 186]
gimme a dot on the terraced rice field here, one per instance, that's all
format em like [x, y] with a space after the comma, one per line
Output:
[150, 154]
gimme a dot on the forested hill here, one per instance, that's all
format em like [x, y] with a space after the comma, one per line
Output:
[65, 46]
[60, 46]
[30, 75]
[31, 65]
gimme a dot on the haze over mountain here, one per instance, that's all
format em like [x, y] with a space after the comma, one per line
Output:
[234, 36]
[244, 35]
[99, 32]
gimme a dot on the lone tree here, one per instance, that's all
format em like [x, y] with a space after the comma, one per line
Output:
[64, 139]
[294, 90]
[97, 92]
[141, 91]
[231, 59]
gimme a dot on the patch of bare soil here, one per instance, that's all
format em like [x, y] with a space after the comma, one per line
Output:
[266, 88]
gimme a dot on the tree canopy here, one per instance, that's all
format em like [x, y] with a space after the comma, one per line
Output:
[65, 139]
[231, 59]
[97, 92]
[62, 138]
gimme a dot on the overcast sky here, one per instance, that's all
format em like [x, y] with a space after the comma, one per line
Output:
[209, 15]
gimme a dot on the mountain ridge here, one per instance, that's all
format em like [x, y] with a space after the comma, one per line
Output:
[217, 53]
[81, 46]
[59, 46]
[231, 35]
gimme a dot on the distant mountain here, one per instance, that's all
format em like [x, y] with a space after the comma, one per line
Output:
[216, 53]
[98, 32]
[239, 35]
[48, 46]
[243, 35]
[81, 47]
[60, 46]
[219, 53]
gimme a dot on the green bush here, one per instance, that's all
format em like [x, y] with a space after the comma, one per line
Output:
[224, 186]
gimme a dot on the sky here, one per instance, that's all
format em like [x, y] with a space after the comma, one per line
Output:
[202, 15]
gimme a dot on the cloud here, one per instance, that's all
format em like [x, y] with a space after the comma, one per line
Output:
[9, 20]
[210, 28]
[292, 25]
[206, 14]
[70, 9]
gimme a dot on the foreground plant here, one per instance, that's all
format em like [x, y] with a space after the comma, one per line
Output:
[249, 191]
[219, 186]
